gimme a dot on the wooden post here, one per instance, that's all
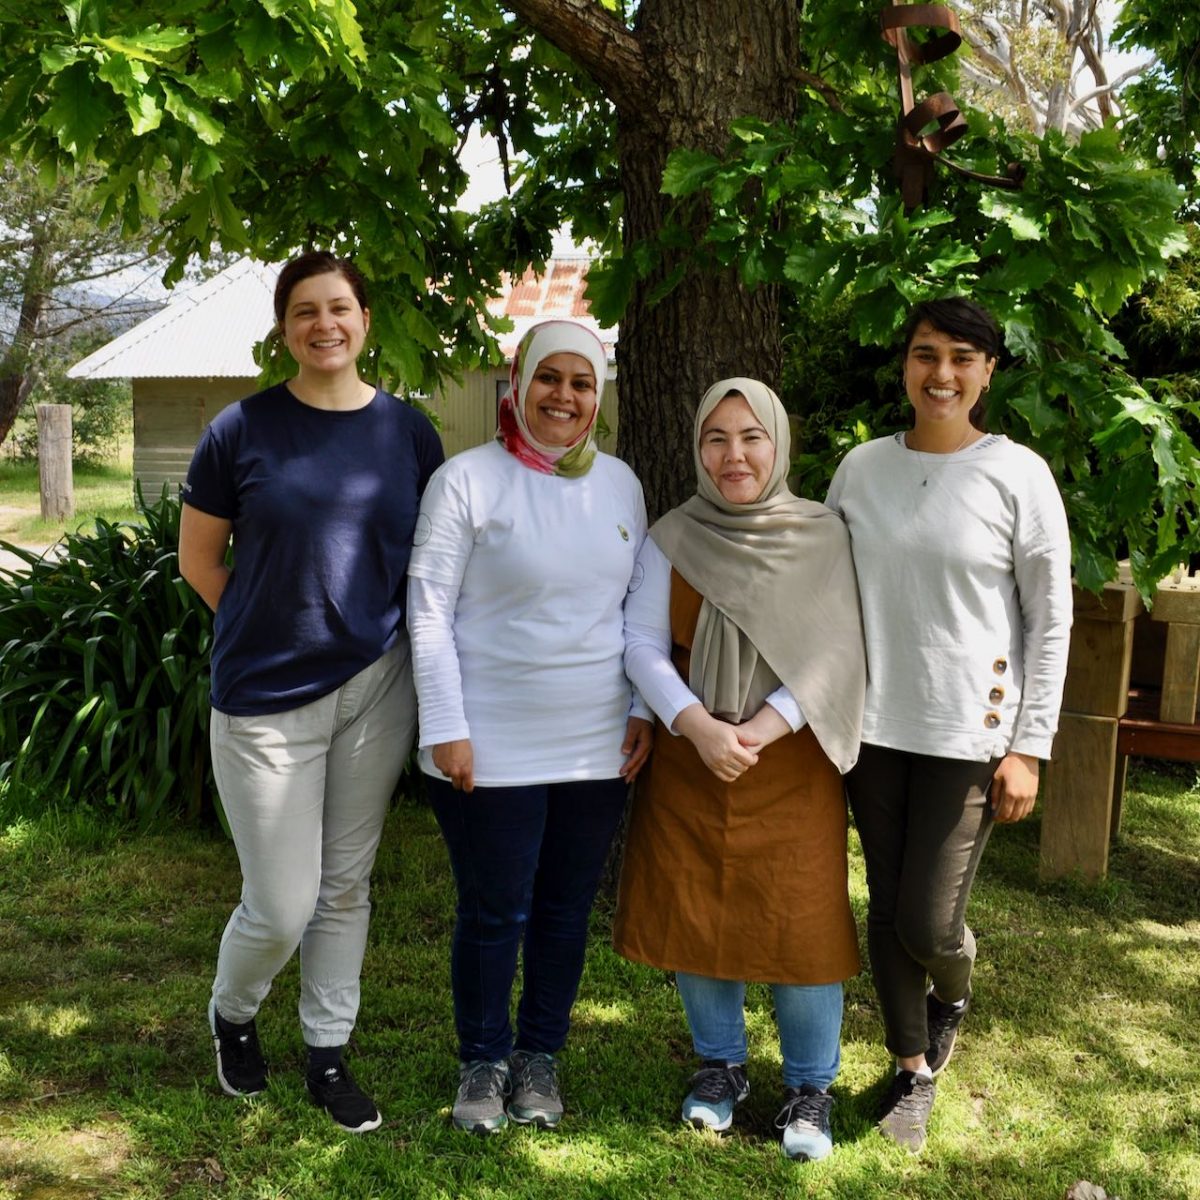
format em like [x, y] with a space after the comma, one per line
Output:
[55, 480]
[1177, 602]
[1081, 799]
[1080, 777]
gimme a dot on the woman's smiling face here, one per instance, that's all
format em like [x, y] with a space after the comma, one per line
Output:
[736, 451]
[944, 376]
[560, 399]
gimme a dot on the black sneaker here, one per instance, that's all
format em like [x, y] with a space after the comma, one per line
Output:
[241, 1068]
[536, 1099]
[944, 1020]
[336, 1092]
[905, 1110]
[803, 1123]
[716, 1088]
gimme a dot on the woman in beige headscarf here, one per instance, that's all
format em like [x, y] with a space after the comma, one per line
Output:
[744, 636]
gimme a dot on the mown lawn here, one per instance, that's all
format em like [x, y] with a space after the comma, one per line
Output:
[1079, 1060]
[104, 490]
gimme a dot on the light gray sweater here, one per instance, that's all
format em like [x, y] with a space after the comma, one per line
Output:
[964, 568]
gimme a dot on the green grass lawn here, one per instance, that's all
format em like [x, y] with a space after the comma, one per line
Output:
[1079, 1059]
[104, 491]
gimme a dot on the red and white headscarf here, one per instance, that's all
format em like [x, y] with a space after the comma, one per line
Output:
[513, 432]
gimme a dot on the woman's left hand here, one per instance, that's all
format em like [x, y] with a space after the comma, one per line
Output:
[639, 741]
[1014, 787]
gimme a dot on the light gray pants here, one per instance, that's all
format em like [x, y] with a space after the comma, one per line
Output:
[305, 793]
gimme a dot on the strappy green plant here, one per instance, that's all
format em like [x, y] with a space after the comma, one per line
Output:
[104, 677]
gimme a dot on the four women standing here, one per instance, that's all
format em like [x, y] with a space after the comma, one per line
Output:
[738, 620]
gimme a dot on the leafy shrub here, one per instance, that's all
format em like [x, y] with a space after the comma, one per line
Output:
[104, 677]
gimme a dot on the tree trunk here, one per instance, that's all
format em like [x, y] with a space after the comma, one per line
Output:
[15, 379]
[708, 62]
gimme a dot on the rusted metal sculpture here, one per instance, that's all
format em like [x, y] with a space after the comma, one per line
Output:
[927, 128]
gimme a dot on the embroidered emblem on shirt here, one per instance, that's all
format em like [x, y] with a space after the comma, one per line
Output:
[623, 532]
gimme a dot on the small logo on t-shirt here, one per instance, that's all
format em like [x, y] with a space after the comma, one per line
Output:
[623, 532]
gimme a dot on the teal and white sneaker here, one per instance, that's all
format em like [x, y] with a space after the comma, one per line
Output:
[716, 1088]
[479, 1104]
[536, 1098]
[804, 1123]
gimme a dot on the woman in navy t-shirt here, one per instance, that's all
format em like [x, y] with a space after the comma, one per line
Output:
[317, 481]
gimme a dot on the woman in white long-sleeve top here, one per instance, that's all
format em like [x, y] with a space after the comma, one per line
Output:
[964, 567]
[745, 638]
[524, 551]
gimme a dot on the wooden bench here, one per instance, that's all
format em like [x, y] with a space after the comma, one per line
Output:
[1132, 682]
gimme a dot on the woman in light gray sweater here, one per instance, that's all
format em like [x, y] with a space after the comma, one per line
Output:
[963, 557]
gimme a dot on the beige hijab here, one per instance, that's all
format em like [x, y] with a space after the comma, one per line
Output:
[780, 595]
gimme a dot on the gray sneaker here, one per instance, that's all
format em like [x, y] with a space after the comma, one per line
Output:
[536, 1099]
[479, 1105]
[904, 1113]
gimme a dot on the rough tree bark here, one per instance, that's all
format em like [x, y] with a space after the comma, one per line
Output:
[677, 79]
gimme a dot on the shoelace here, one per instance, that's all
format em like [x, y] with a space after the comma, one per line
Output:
[482, 1082]
[809, 1110]
[539, 1076]
[715, 1083]
[914, 1099]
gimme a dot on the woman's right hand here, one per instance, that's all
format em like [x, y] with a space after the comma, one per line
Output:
[716, 742]
[456, 760]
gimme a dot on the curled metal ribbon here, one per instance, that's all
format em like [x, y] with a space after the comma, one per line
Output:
[917, 144]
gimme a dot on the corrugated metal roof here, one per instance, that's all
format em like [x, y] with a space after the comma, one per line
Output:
[207, 332]
[210, 331]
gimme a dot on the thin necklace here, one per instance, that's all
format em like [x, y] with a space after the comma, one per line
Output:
[926, 458]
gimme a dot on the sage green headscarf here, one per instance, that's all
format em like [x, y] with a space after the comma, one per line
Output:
[780, 595]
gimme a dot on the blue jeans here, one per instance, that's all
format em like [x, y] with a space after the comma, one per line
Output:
[809, 1021]
[527, 862]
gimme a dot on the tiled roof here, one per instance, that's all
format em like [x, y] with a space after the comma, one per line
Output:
[557, 293]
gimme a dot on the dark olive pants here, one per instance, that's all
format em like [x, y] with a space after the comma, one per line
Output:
[923, 823]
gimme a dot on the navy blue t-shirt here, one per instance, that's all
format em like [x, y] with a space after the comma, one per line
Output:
[323, 506]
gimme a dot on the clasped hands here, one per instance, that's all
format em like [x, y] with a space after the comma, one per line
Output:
[728, 751]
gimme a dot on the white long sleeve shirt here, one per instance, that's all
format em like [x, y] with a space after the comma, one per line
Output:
[517, 588]
[648, 645]
[964, 570]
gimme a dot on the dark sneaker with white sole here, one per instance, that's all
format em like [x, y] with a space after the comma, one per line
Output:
[334, 1090]
[535, 1098]
[904, 1113]
[804, 1123]
[944, 1020]
[716, 1089]
[241, 1068]
[482, 1089]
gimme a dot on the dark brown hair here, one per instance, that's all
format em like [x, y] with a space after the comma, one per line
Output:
[959, 318]
[316, 262]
